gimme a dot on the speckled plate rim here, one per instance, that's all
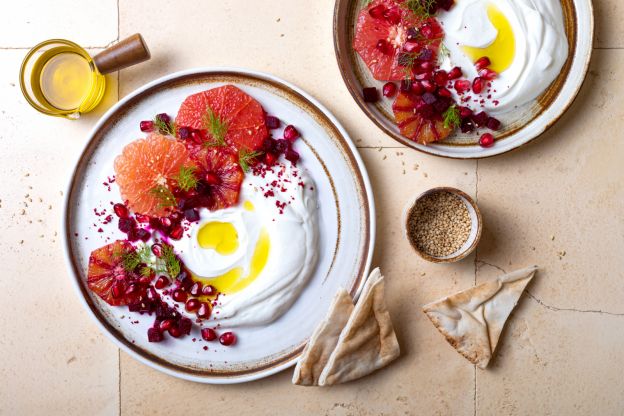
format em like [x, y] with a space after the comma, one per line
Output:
[144, 357]
[566, 95]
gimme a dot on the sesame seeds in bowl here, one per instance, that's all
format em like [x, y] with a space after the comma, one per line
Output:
[443, 225]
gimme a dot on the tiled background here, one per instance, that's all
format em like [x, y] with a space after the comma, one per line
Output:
[562, 351]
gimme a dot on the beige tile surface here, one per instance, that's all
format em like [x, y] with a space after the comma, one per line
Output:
[90, 23]
[561, 352]
[50, 349]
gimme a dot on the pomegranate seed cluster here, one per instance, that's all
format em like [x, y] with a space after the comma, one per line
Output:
[436, 96]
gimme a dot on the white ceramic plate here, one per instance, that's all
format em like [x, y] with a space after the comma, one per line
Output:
[346, 223]
[519, 127]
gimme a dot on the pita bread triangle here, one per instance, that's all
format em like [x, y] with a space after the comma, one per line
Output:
[323, 341]
[367, 342]
[472, 320]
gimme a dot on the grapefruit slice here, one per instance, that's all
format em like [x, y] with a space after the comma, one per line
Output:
[221, 179]
[415, 126]
[240, 117]
[107, 277]
[384, 28]
[145, 166]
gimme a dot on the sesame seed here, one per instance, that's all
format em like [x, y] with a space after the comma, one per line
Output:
[439, 224]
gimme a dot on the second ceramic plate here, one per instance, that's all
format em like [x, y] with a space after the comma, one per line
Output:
[521, 126]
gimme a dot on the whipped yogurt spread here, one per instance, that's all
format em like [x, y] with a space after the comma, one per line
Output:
[525, 39]
[260, 253]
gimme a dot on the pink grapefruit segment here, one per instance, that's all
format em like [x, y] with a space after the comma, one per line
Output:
[242, 114]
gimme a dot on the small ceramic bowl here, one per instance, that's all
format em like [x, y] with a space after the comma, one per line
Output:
[475, 230]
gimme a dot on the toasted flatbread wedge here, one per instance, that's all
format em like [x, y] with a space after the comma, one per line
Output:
[472, 320]
[323, 341]
[367, 342]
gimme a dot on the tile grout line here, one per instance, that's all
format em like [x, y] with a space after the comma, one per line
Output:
[118, 350]
[475, 281]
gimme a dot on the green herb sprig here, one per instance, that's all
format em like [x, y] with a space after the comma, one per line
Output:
[421, 8]
[216, 126]
[186, 178]
[164, 127]
[452, 117]
[245, 156]
[164, 195]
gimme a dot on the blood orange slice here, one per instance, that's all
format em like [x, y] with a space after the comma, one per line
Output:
[387, 30]
[146, 166]
[240, 116]
[417, 122]
[220, 179]
[107, 277]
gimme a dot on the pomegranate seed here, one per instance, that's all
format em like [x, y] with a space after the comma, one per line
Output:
[410, 47]
[152, 296]
[427, 31]
[227, 338]
[209, 290]
[144, 219]
[204, 311]
[482, 62]
[486, 140]
[144, 280]
[443, 92]
[440, 77]
[465, 112]
[191, 305]
[428, 85]
[487, 73]
[157, 249]
[196, 137]
[179, 295]
[120, 210]
[378, 11]
[493, 124]
[196, 289]
[389, 89]
[392, 15]
[426, 55]
[272, 122]
[212, 178]
[175, 216]
[154, 335]
[371, 95]
[117, 290]
[455, 73]
[208, 334]
[270, 159]
[165, 325]
[384, 47]
[165, 223]
[162, 282]
[146, 126]
[176, 232]
[184, 133]
[291, 133]
[175, 332]
[461, 86]
[427, 67]
[477, 85]
[417, 88]
[429, 98]
[143, 234]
